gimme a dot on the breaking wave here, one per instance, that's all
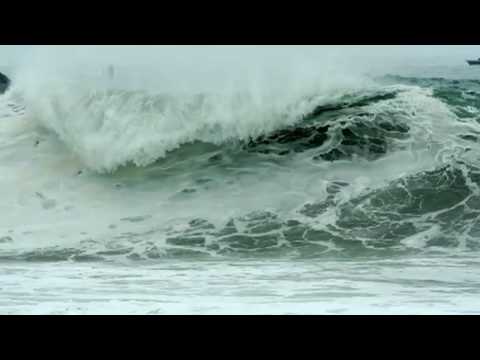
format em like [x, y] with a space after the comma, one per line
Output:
[348, 168]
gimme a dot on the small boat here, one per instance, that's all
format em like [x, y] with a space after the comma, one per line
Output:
[473, 62]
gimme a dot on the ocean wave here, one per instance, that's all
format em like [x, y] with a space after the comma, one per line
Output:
[111, 129]
[385, 168]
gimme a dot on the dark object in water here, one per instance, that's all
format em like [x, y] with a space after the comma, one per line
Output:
[473, 62]
[4, 83]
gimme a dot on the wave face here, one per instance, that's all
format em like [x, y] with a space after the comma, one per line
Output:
[344, 167]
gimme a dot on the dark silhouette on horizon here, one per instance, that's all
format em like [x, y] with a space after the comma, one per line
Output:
[4, 83]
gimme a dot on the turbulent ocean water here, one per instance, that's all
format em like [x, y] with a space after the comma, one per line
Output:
[356, 197]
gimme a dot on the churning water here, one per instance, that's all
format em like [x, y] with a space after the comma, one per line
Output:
[218, 186]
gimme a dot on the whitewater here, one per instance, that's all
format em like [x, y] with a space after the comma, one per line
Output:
[225, 180]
